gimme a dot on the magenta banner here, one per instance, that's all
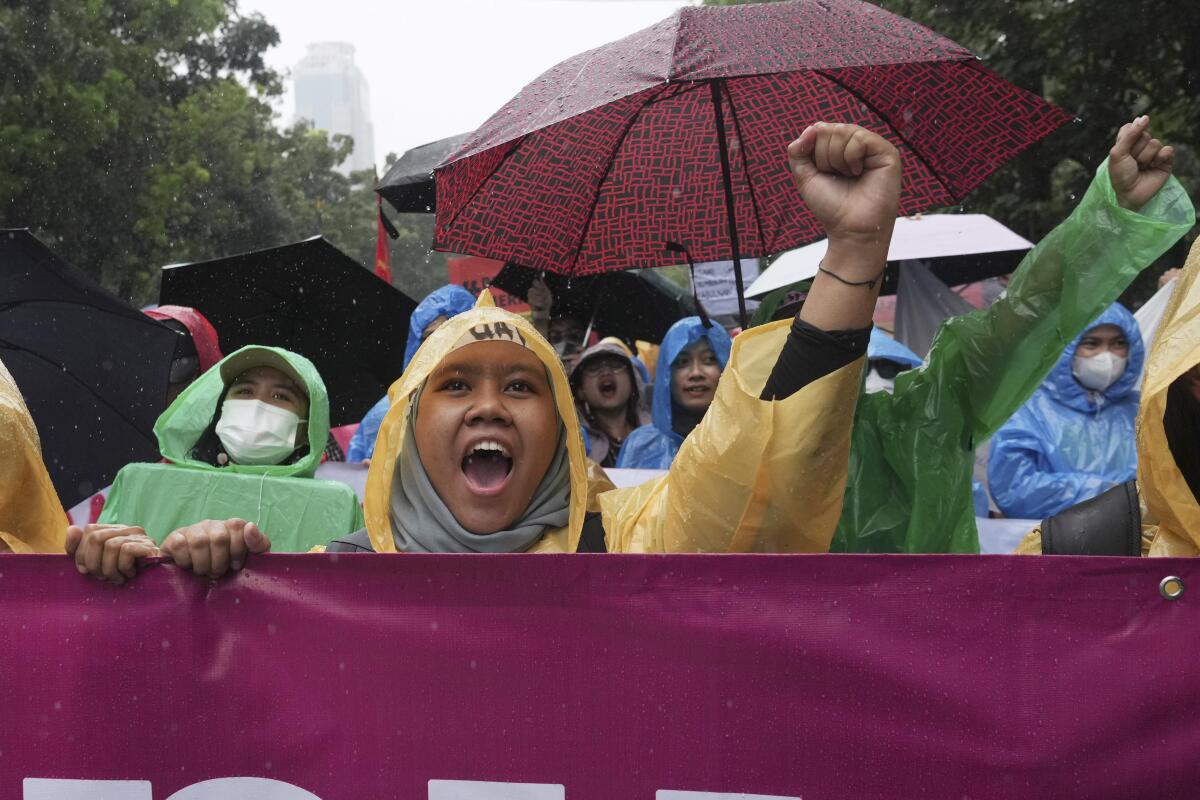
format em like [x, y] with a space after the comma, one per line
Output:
[598, 677]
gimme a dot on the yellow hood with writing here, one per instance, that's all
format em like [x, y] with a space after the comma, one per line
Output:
[32, 519]
[1164, 491]
[426, 360]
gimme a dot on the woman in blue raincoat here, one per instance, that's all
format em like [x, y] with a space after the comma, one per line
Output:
[437, 307]
[1074, 438]
[690, 361]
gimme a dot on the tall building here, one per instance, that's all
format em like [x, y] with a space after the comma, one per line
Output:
[332, 94]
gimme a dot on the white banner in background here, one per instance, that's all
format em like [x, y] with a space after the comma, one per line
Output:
[717, 288]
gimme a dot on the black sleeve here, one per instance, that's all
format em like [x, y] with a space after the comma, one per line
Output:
[357, 542]
[810, 354]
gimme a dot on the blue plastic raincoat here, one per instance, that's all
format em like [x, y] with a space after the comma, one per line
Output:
[884, 348]
[1068, 444]
[445, 302]
[654, 446]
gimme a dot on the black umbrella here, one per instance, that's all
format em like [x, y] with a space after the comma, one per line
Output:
[630, 305]
[93, 370]
[310, 298]
[408, 183]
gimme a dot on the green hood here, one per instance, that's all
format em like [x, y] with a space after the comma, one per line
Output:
[185, 420]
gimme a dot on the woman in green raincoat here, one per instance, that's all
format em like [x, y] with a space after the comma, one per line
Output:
[243, 440]
[913, 451]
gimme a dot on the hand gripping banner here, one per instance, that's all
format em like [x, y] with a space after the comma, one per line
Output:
[578, 677]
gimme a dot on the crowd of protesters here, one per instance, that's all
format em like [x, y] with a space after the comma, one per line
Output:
[808, 434]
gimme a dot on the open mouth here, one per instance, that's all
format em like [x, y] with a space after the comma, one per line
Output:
[487, 467]
[608, 388]
[700, 390]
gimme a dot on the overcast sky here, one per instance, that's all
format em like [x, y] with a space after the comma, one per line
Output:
[441, 67]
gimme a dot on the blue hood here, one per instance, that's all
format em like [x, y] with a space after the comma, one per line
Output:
[1061, 384]
[654, 446]
[682, 335]
[884, 348]
[444, 302]
[447, 302]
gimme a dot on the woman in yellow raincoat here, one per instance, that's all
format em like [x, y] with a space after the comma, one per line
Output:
[481, 450]
[32, 519]
[1159, 514]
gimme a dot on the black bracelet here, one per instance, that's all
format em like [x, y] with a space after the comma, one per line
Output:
[869, 284]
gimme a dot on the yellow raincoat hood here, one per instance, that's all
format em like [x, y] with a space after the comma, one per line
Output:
[32, 519]
[426, 360]
[1164, 491]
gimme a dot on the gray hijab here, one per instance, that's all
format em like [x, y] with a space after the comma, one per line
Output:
[421, 522]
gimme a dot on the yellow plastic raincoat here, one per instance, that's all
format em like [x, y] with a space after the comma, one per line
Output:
[1170, 514]
[754, 476]
[32, 519]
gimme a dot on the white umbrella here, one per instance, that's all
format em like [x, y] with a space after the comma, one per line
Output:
[924, 237]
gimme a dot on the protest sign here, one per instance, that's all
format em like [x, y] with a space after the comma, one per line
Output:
[593, 677]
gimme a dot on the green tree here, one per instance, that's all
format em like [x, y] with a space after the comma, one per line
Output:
[134, 133]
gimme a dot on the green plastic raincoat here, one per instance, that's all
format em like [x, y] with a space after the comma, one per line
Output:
[909, 487]
[294, 509]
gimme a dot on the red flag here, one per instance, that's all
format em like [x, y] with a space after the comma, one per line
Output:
[383, 259]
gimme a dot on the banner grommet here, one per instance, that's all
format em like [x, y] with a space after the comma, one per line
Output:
[1171, 587]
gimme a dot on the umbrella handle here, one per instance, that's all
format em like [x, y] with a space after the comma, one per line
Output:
[730, 212]
[676, 247]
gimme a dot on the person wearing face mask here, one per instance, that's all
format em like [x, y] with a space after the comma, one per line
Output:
[1075, 437]
[437, 307]
[690, 361]
[1158, 512]
[608, 396]
[482, 452]
[242, 441]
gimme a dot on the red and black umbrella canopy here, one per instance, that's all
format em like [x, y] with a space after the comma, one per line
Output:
[611, 154]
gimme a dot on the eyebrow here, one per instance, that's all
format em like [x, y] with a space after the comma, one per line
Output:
[290, 385]
[474, 370]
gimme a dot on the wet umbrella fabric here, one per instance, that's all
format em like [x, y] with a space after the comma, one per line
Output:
[408, 184]
[611, 154]
[628, 305]
[92, 369]
[310, 298]
[959, 248]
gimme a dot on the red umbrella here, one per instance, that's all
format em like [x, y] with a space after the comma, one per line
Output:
[667, 134]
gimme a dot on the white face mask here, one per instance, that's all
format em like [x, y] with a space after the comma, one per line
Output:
[1098, 372]
[878, 383]
[257, 433]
